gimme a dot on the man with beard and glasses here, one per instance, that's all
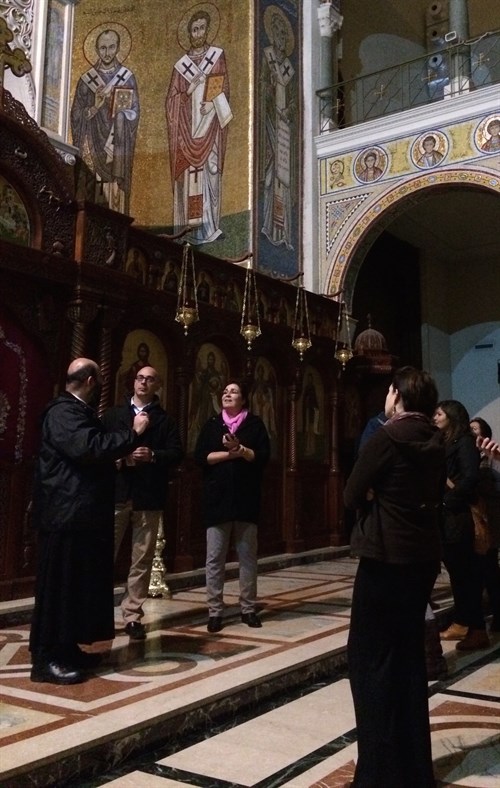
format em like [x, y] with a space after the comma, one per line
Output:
[198, 113]
[73, 512]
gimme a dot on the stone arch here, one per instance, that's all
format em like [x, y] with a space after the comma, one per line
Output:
[347, 258]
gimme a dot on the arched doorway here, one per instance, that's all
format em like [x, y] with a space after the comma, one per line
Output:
[435, 241]
[390, 275]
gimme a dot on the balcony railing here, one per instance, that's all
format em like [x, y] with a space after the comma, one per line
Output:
[436, 76]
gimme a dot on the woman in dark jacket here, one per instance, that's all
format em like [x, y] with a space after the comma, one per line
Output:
[462, 462]
[232, 449]
[396, 485]
[489, 491]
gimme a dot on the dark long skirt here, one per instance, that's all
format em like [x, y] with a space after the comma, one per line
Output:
[73, 592]
[387, 672]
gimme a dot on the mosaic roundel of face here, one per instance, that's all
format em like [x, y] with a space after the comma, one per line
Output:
[370, 165]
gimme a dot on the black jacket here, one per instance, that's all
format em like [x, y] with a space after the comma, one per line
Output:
[462, 461]
[404, 464]
[74, 477]
[232, 490]
[145, 484]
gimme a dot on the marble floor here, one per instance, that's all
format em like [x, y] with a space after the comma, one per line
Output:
[262, 708]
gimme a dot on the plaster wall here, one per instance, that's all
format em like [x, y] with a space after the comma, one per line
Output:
[379, 35]
[460, 335]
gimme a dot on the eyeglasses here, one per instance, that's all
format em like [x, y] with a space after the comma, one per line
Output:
[145, 379]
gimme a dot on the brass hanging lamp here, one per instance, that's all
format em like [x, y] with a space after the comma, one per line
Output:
[250, 317]
[343, 349]
[187, 301]
[301, 340]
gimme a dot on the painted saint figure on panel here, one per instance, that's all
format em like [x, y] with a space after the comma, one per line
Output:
[278, 91]
[14, 222]
[198, 114]
[311, 416]
[105, 115]
[141, 349]
[206, 389]
[264, 395]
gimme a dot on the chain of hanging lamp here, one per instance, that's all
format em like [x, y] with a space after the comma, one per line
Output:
[301, 339]
[250, 317]
[187, 301]
[343, 350]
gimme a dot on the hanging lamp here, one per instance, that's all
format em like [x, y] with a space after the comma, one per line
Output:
[343, 350]
[187, 301]
[250, 317]
[301, 340]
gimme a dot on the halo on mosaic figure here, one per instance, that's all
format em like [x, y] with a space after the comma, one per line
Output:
[440, 148]
[269, 13]
[182, 30]
[487, 135]
[89, 44]
[365, 174]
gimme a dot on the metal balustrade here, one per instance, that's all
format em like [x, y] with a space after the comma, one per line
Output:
[436, 76]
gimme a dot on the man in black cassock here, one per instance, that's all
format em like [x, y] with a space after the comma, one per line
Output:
[73, 511]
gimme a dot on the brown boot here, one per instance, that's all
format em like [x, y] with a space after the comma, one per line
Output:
[454, 632]
[475, 639]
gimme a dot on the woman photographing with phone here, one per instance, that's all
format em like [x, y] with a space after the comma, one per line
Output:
[397, 486]
[232, 449]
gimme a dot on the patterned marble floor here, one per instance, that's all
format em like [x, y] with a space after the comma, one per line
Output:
[262, 708]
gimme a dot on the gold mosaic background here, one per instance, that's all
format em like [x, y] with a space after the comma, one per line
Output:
[153, 26]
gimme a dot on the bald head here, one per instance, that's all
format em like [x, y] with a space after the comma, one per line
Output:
[81, 367]
[84, 379]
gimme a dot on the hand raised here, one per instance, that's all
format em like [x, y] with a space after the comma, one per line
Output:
[230, 442]
[141, 422]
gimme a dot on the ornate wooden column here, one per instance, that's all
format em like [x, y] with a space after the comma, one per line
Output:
[81, 311]
[110, 316]
[335, 507]
[180, 505]
[291, 520]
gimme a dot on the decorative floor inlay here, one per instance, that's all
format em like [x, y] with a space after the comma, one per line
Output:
[256, 708]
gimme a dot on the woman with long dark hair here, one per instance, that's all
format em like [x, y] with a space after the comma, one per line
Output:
[489, 490]
[397, 486]
[462, 463]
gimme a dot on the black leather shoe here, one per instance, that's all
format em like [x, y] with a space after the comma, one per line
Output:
[214, 624]
[251, 620]
[53, 673]
[135, 630]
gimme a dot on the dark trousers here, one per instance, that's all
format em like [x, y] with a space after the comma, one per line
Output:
[466, 579]
[387, 672]
[491, 575]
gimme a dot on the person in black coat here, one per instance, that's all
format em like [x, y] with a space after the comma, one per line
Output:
[462, 459]
[397, 486]
[232, 449]
[73, 506]
[141, 489]
[489, 492]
